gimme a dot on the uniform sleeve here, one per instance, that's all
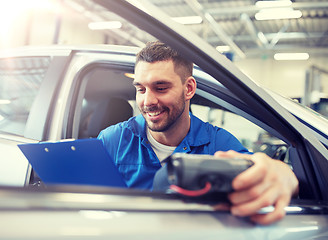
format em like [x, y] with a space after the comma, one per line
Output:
[110, 138]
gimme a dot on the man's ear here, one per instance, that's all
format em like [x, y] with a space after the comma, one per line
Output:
[191, 86]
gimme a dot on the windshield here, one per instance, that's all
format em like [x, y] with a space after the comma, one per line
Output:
[303, 113]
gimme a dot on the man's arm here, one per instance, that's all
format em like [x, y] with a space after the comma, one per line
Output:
[268, 182]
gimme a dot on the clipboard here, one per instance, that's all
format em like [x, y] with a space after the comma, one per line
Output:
[81, 162]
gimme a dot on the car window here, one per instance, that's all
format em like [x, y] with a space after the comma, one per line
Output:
[105, 98]
[246, 132]
[253, 137]
[20, 80]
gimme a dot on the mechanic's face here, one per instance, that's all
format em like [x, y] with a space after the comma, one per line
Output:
[160, 94]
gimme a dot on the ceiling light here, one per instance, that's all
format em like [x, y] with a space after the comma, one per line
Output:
[4, 101]
[224, 48]
[277, 13]
[291, 56]
[269, 4]
[105, 25]
[302, 229]
[188, 20]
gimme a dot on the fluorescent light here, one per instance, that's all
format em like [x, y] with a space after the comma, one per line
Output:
[105, 25]
[268, 4]
[291, 56]
[302, 229]
[188, 20]
[5, 101]
[277, 13]
[224, 48]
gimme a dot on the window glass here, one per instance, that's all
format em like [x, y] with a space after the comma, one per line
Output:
[20, 80]
[254, 138]
[246, 132]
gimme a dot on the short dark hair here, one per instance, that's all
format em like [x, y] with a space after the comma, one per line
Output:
[159, 51]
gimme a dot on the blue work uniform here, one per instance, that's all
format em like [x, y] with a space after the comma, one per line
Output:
[128, 146]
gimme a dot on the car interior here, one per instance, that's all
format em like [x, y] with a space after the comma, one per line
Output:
[101, 116]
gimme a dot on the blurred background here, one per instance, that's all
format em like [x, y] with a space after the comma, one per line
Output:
[281, 45]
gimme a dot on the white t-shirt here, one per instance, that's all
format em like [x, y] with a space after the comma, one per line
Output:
[162, 151]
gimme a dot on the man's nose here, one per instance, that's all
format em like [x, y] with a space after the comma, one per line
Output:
[150, 98]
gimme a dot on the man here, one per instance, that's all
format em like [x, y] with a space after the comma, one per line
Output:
[164, 86]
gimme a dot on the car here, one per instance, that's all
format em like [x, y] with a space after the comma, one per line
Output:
[66, 92]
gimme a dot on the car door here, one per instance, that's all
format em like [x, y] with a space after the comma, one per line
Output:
[28, 85]
[309, 154]
[309, 157]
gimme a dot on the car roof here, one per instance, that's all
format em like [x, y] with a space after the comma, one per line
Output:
[64, 50]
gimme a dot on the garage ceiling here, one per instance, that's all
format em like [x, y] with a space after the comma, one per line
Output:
[233, 24]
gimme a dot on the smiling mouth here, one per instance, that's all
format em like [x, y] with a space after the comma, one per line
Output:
[153, 114]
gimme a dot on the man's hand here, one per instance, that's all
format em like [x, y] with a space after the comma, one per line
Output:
[268, 182]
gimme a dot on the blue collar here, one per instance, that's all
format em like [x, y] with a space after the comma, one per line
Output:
[198, 133]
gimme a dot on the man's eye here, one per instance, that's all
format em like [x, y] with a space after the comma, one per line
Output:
[162, 89]
[140, 90]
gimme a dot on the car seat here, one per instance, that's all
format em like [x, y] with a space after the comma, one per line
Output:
[105, 114]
